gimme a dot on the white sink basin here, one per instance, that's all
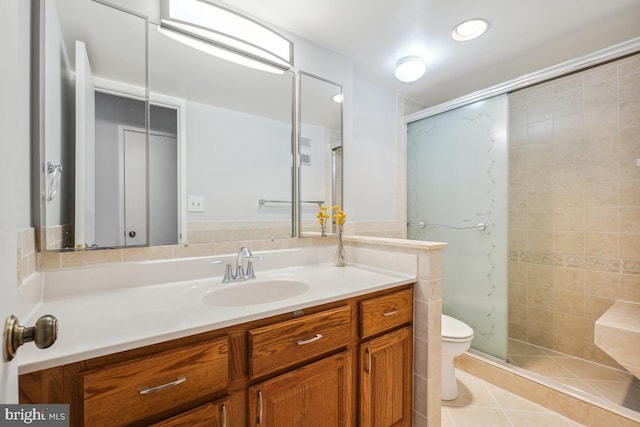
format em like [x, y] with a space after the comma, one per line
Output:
[254, 292]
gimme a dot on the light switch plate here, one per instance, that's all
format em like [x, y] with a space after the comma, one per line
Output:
[195, 204]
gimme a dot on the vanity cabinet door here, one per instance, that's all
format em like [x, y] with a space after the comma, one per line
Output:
[385, 380]
[318, 394]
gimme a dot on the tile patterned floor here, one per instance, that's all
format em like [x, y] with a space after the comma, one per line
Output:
[619, 387]
[483, 404]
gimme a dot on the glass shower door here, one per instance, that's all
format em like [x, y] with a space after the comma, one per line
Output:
[457, 193]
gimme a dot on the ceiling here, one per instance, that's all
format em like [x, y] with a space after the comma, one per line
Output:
[523, 37]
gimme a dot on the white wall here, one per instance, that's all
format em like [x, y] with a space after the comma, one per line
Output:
[235, 159]
[371, 157]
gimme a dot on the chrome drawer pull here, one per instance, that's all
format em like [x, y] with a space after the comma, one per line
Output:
[163, 386]
[310, 340]
[391, 313]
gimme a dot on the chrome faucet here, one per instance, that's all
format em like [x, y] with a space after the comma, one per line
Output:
[243, 253]
[240, 273]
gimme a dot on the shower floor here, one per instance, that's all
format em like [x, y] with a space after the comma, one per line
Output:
[614, 385]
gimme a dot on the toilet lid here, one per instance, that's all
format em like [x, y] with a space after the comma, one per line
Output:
[454, 328]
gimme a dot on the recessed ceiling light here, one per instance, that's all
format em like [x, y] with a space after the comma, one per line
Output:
[470, 29]
[410, 68]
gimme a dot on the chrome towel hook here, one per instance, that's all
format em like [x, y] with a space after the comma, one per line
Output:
[53, 182]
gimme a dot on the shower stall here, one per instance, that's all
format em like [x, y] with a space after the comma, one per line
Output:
[536, 193]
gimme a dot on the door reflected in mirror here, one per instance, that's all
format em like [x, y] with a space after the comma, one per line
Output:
[320, 148]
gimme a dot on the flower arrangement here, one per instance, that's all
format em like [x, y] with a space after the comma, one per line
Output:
[323, 216]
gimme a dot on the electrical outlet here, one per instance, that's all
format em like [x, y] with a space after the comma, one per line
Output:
[195, 204]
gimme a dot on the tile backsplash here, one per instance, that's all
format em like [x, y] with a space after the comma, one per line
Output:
[26, 253]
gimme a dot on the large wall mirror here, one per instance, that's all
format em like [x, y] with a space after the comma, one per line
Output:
[320, 145]
[146, 141]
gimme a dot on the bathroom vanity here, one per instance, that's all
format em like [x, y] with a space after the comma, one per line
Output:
[339, 352]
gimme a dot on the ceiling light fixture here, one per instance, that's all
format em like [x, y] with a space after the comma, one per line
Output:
[410, 68]
[469, 29]
[224, 33]
[338, 98]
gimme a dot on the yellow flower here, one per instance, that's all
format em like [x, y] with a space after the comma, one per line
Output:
[339, 217]
[322, 214]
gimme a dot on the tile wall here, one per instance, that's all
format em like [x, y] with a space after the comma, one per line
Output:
[205, 232]
[427, 315]
[574, 205]
[26, 253]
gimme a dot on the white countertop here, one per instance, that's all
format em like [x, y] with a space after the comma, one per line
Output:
[101, 320]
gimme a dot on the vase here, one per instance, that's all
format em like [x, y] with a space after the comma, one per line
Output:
[340, 259]
[323, 229]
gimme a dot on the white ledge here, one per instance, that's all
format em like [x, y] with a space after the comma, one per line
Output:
[617, 332]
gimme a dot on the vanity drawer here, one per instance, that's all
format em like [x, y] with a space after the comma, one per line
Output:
[286, 343]
[385, 312]
[133, 390]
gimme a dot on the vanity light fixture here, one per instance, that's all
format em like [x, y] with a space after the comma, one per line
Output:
[219, 31]
[410, 68]
[469, 29]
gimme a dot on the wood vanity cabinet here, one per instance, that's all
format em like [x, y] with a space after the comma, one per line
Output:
[387, 362]
[339, 364]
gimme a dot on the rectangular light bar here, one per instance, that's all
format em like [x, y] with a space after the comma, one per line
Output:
[201, 23]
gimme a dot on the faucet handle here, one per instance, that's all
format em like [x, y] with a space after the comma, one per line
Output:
[228, 274]
[250, 274]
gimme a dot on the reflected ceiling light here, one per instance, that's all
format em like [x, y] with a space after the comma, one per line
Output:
[224, 33]
[338, 98]
[469, 30]
[410, 68]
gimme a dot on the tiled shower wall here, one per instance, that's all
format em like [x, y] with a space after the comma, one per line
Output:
[574, 205]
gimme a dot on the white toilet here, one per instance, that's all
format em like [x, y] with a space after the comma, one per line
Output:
[456, 339]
